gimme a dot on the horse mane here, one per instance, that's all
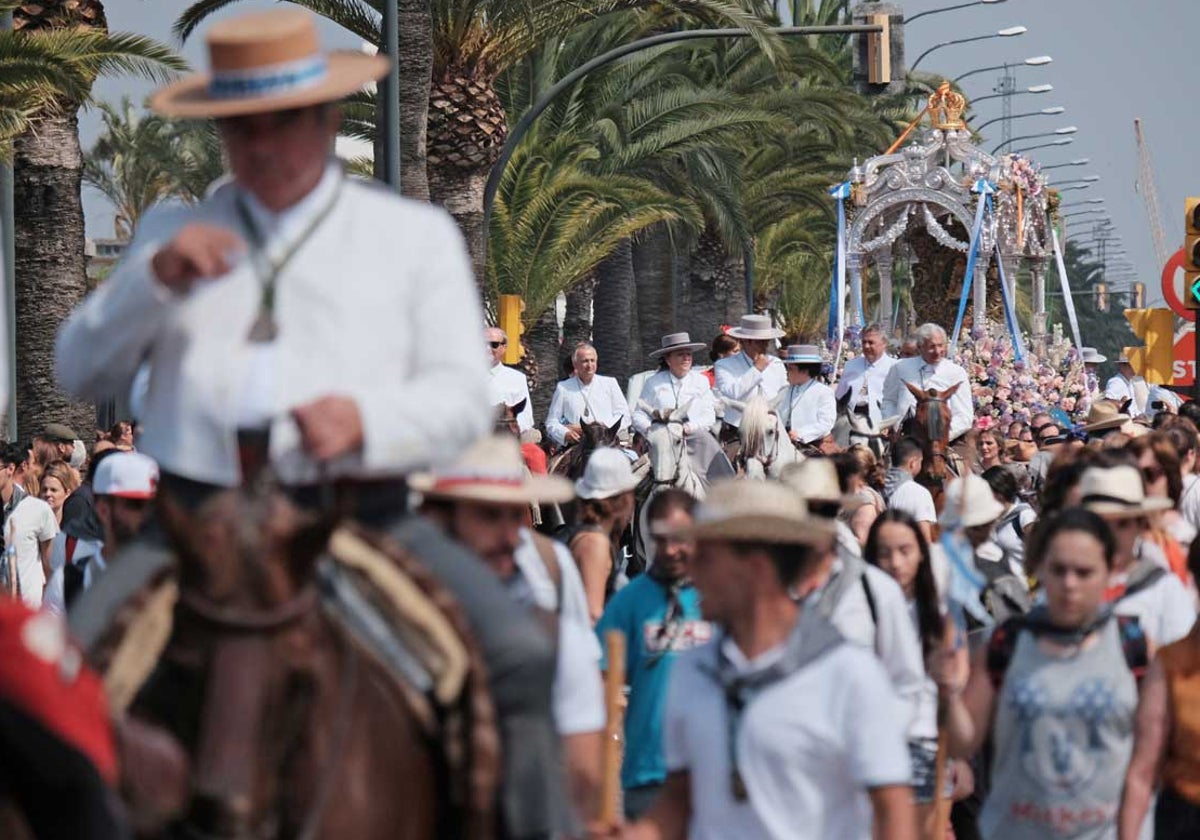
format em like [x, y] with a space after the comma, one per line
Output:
[756, 419]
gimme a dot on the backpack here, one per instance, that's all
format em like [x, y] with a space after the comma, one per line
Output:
[1003, 644]
[1005, 596]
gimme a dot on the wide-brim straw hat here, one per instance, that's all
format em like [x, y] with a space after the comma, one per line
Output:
[1090, 356]
[1118, 493]
[607, 474]
[803, 354]
[1103, 415]
[970, 503]
[492, 471]
[677, 341]
[756, 328]
[816, 481]
[267, 61]
[757, 512]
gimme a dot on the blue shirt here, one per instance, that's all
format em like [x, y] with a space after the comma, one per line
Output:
[639, 610]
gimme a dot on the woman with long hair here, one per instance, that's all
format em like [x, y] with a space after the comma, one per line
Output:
[1056, 692]
[1162, 474]
[58, 482]
[895, 544]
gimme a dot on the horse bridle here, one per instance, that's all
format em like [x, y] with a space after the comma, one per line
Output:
[680, 454]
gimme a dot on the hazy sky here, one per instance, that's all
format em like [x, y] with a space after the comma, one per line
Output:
[1113, 60]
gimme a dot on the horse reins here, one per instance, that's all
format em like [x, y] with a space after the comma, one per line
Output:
[234, 619]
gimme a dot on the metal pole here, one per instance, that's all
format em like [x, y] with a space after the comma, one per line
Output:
[389, 90]
[8, 245]
[568, 81]
[1195, 371]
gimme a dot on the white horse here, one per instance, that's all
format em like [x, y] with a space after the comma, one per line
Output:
[766, 447]
[670, 464]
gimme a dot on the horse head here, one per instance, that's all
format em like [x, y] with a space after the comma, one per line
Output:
[669, 461]
[596, 435]
[506, 417]
[930, 425]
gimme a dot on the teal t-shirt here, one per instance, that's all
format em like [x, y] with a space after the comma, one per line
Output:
[639, 611]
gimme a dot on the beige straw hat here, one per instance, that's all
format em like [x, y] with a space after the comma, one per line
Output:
[1117, 493]
[267, 61]
[757, 511]
[491, 471]
[1105, 415]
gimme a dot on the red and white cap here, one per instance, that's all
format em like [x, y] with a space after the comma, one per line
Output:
[130, 475]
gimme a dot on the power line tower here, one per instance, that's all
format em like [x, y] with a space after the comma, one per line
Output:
[1006, 87]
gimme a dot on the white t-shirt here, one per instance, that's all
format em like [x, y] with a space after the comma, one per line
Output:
[1165, 609]
[578, 691]
[1189, 502]
[809, 746]
[914, 500]
[30, 524]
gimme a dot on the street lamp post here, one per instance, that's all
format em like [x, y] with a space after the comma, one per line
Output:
[1087, 179]
[1008, 94]
[1010, 32]
[1035, 61]
[1059, 132]
[920, 15]
[1064, 141]
[1045, 112]
[1081, 203]
[1076, 162]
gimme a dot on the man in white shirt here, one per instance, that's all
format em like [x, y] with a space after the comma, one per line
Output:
[1128, 387]
[507, 386]
[930, 371]
[1092, 360]
[585, 397]
[29, 532]
[807, 406]
[901, 492]
[778, 727]
[755, 371]
[861, 385]
[482, 500]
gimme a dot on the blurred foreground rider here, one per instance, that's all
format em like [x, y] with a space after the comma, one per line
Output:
[296, 320]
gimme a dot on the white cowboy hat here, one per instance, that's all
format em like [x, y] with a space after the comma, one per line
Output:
[969, 503]
[816, 481]
[756, 511]
[1122, 359]
[491, 471]
[1117, 493]
[1089, 356]
[803, 354]
[756, 328]
[607, 474]
[267, 61]
[677, 341]
[1103, 415]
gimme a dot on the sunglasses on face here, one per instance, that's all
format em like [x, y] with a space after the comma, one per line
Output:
[495, 344]
[1152, 474]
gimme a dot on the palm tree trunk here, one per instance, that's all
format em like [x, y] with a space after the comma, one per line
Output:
[460, 191]
[653, 268]
[613, 311]
[50, 266]
[416, 68]
[713, 293]
[541, 344]
[577, 324]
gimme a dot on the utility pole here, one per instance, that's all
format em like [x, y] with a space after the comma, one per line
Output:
[1006, 87]
[8, 251]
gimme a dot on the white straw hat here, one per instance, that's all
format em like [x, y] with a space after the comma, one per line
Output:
[491, 471]
[1104, 414]
[607, 474]
[803, 354]
[1117, 493]
[1090, 356]
[677, 341]
[756, 328]
[757, 511]
[816, 480]
[978, 507]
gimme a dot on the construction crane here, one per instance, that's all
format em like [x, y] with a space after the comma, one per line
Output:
[1145, 186]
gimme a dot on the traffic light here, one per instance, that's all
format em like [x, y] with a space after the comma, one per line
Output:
[1191, 254]
[1101, 297]
[1139, 295]
[1155, 358]
[512, 307]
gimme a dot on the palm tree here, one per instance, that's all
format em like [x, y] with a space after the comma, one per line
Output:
[48, 165]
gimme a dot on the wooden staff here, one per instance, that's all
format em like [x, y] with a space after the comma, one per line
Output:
[614, 690]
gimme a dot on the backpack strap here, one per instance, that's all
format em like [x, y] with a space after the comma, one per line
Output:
[549, 558]
[1134, 645]
[866, 585]
[72, 542]
[1000, 649]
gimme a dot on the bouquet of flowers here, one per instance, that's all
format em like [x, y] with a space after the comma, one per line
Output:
[1023, 173]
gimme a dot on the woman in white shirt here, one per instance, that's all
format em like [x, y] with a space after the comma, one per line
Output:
[807, 406]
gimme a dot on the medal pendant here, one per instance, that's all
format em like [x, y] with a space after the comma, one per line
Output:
[738, 787]
[264, 329]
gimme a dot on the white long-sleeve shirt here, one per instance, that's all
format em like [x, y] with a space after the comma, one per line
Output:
[738, 379]
[809, 410]
[663, 392]
[364, 310]
[600, 401]
[863, 381]
[898, 401]
[1119, 389]
[509, 386]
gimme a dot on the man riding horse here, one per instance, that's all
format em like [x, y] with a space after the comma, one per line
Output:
[294, 326]
[754, 372]
[860, 389]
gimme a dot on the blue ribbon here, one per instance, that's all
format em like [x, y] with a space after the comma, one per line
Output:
[1010, 310]
[837, 285]
[966, 584]
[984, 188]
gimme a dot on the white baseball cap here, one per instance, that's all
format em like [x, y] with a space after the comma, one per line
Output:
[130, 475]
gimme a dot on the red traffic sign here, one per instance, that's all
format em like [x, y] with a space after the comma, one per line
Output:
[1183, 369]
[1171, 295]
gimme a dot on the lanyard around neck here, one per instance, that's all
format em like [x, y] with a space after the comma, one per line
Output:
[265, 328]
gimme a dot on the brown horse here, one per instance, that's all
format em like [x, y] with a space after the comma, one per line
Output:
[506, 418]
[570, 462]
[930, 426]
[291, 727]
